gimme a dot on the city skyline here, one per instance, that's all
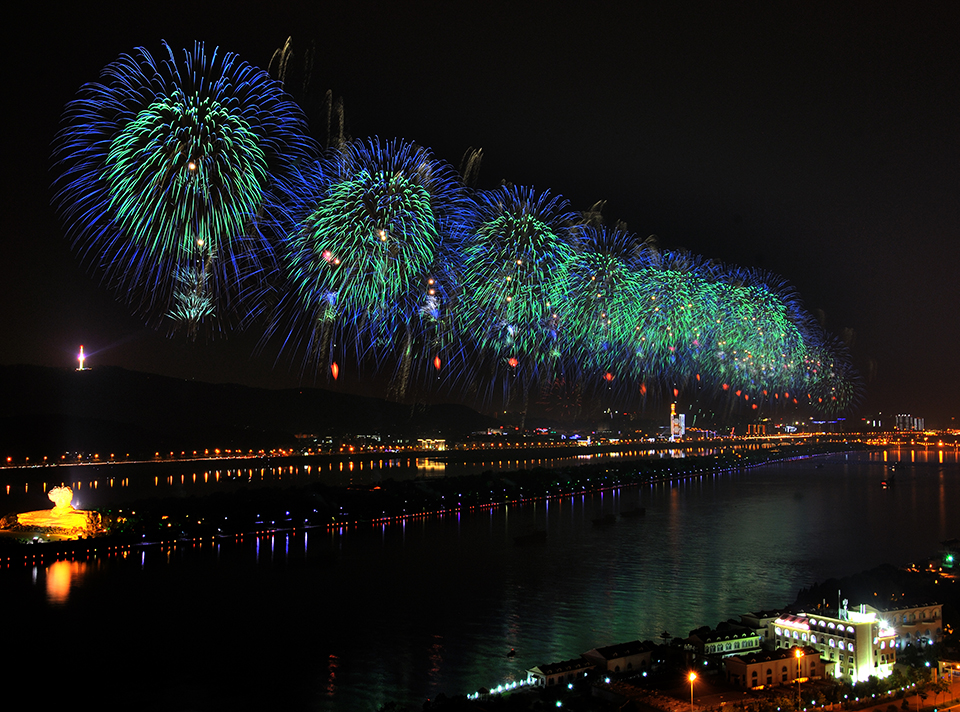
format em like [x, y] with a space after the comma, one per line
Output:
[831, 166]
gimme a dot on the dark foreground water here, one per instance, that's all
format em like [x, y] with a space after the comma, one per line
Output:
[401, 613]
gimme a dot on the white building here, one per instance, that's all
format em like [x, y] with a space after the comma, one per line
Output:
[853, 645]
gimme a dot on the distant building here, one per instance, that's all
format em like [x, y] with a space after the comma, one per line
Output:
[775, 667]
[906, 422]
[950, 553]
[431, 444]
[677, 423]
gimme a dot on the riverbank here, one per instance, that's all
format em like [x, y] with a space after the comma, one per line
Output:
[227, 516]
[665, 685]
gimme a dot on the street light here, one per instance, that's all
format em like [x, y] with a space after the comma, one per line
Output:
[799, 654]
[691, 677]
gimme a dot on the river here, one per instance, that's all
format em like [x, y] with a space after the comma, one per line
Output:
[355, 619]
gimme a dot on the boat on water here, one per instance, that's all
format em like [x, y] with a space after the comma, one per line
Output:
[889, 480]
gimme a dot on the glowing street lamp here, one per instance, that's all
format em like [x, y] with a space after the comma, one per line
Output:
[799, 654]
[691, 677]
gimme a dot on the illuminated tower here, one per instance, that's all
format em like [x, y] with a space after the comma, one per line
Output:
[81, 358]
[677, 423]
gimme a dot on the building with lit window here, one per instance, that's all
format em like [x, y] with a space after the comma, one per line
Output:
[760, 622]
[914, 624]
[853, 645]
[561, 673]
[769, 668]
[731, 640]
[678, 423]
[907, 422]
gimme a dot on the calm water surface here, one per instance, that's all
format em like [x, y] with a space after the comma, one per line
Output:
[350, 621]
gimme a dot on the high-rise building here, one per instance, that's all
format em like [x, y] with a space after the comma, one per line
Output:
[677, 423]
[905, 421]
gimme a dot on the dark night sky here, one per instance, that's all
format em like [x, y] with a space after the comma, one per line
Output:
[817, 141]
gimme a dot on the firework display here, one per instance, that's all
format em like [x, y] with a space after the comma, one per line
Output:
[166, 169]
[367, 260]
[192, 186]
[515, 263]
[602, 294]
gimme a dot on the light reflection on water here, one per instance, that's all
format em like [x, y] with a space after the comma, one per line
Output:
[403, 611]
[98, 485]
[59, 576]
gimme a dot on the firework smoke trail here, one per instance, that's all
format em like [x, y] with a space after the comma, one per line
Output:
[166, 167]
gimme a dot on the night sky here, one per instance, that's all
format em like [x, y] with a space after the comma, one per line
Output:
[817, 141]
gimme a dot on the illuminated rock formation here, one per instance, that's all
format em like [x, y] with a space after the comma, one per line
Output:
[61, 522]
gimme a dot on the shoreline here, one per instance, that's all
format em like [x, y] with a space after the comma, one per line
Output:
[228, 517]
